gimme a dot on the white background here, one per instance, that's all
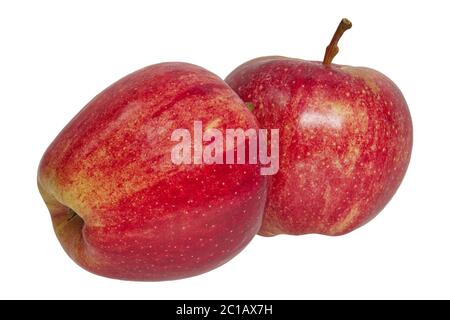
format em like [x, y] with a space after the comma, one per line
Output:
[55, 56]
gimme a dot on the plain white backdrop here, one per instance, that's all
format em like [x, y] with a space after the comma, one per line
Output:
[55, 56]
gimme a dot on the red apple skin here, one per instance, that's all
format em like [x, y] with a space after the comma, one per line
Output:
[139, 216]
[345, 142]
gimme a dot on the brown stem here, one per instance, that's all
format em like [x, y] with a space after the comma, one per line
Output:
[332, 49]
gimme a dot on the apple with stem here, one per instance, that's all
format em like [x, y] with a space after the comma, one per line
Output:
[345, 140]
[122, 208]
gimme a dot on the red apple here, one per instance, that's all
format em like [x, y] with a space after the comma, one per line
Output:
[121, 208]
[345, 140]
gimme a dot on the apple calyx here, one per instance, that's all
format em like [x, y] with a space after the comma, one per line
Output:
[72, 214]
[333, 49]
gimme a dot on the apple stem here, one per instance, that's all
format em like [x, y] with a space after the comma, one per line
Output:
[333, 49]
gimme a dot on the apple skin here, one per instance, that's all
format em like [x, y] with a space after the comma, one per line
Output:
[138, 215]
[345, 142]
